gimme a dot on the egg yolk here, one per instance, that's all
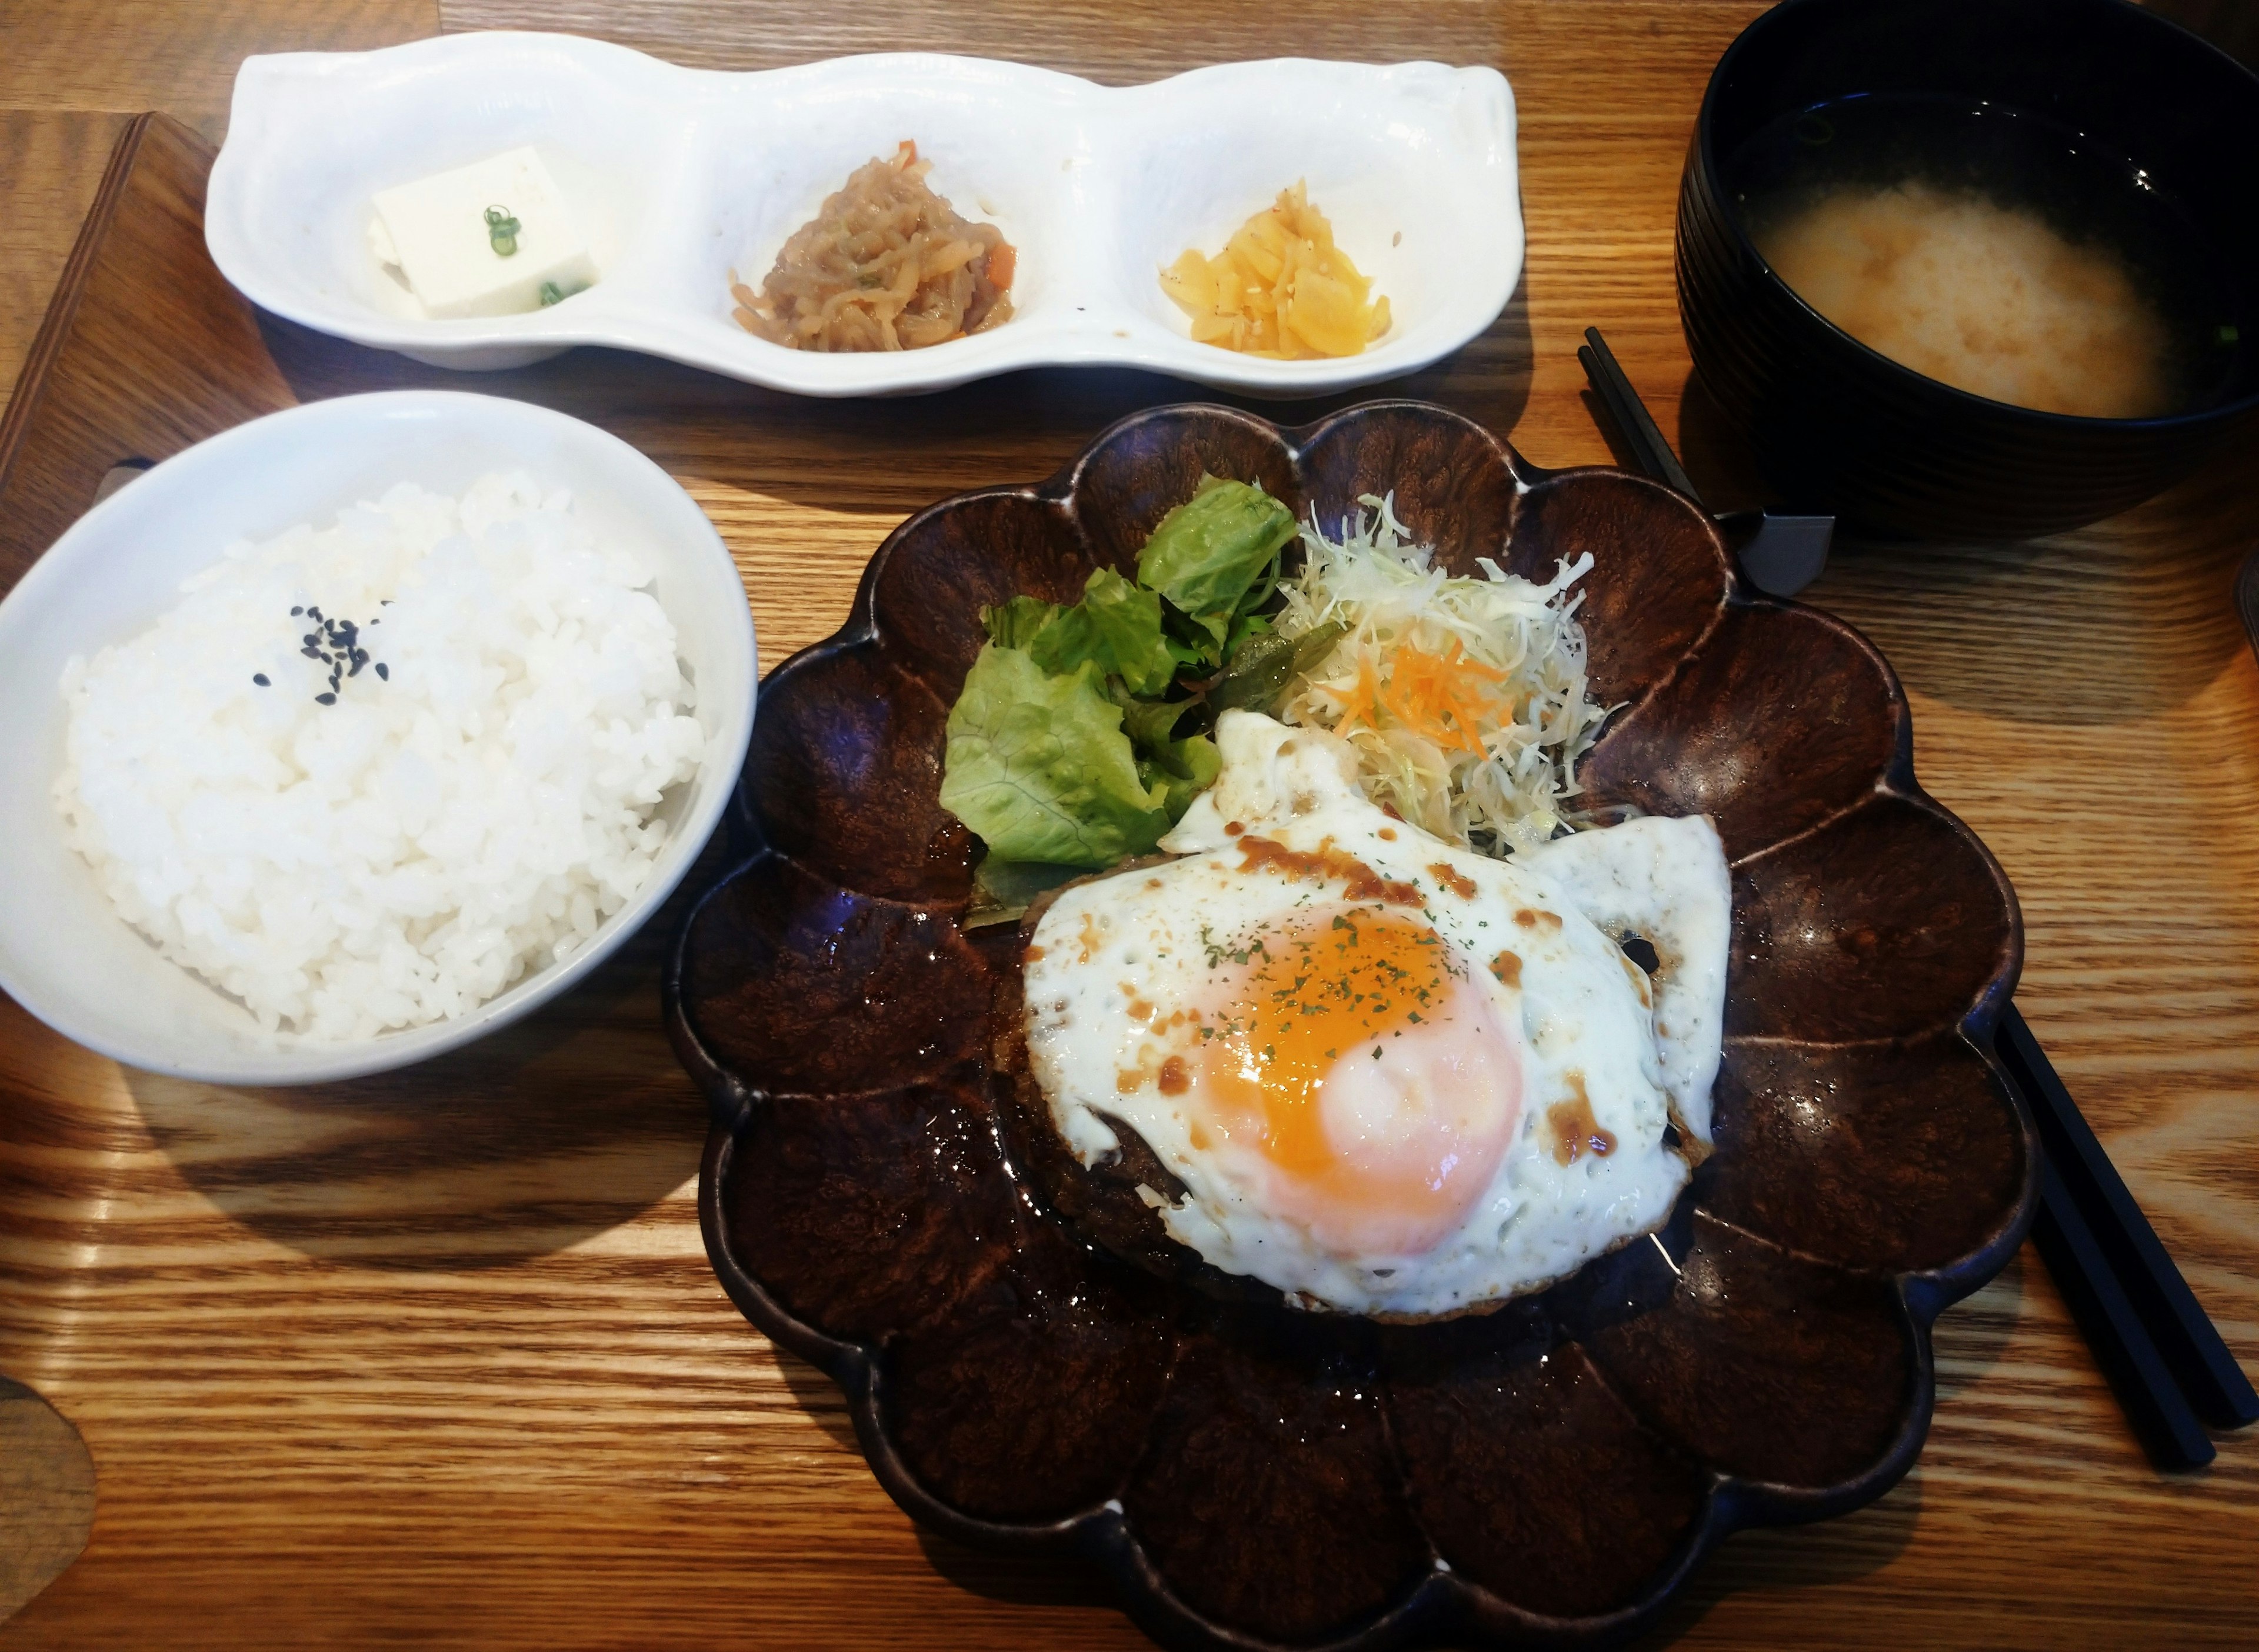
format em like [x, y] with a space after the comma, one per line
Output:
[1352, 1060]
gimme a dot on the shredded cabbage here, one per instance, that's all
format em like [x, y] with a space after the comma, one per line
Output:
[1465, 698]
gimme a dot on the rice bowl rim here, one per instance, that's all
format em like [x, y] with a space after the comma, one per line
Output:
[83, 594]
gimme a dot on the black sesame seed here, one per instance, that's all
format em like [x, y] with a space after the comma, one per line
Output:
[359, 662]
[311, 653]
[259, 677]
[295, 612]
[384, 670]
[325, 700]
[313, 613]
[311, 639]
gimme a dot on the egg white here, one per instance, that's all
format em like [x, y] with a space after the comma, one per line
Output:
[1580, 1022]
[1665, 880]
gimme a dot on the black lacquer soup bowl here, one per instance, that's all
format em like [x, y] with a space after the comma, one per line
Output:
[1839, 427]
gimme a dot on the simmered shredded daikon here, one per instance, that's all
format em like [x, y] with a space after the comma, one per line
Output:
[887, 264]
[1465, 698]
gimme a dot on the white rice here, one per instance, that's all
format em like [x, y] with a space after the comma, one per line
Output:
[405, 853]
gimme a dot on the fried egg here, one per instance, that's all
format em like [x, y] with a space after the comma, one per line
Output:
[1391, 1077]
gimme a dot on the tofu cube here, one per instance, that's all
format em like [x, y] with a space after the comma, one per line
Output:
[441, 240]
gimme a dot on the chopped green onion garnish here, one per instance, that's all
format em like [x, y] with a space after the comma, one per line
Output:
[502, 230]
[550, 295]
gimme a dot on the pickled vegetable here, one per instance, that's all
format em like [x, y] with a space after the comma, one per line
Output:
[1280, 288]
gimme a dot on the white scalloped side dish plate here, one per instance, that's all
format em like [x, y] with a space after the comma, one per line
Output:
[681, 176]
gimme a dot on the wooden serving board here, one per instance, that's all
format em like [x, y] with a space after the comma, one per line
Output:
[439, 1357]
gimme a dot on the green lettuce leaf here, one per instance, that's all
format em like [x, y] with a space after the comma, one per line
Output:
[1038, 767]
[1016, 623]
[1002, 890]
[1216, 556]
[1117, 626]
[1182, 771]
[1152, 724]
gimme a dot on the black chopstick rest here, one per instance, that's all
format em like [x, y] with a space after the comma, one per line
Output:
[2121, 1345]
[2184, 1336]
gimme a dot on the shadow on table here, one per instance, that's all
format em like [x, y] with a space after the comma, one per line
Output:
[1970, 1336]
[1791, 1557]
[563, 1125]
[820, 1398]
[2108, 624]
[1021, 1580]
[912, 449]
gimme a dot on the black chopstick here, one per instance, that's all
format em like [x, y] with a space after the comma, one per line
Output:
[2160, 1353]
[1632, 420]
[2121, 1345]
[2184, 1336]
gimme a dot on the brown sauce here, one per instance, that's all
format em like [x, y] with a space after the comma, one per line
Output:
[1258, 854]
[1457, 882]
[1575, 1131]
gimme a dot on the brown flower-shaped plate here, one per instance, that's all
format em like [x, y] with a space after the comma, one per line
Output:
[1549, 1474]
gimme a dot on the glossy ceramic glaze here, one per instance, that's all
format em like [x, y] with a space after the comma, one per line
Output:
[1249, 1476]
[683, 176]
[1841, 428]
[65, 954]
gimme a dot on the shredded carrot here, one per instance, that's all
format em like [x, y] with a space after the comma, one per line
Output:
[1360, 701]
[1464, 697]
[1443, 698]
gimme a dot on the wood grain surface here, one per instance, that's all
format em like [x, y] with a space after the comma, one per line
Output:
[73, 73]
[438, 1358]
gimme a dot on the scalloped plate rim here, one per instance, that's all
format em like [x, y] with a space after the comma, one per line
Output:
[1729, 1503]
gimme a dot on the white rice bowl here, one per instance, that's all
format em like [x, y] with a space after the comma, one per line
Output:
[402, 855]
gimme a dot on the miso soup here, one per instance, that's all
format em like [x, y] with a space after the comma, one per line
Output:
[1993, 250]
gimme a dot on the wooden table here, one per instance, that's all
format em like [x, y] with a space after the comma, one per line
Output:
[441, 1358]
